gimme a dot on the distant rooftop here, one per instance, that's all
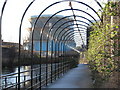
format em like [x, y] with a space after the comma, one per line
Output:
[46, 15]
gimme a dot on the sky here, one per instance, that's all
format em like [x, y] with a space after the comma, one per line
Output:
[14, 10]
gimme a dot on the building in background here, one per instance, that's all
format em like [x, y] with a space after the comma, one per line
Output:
[39, 26]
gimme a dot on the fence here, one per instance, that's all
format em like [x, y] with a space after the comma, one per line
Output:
[46, 74]
[54, 36]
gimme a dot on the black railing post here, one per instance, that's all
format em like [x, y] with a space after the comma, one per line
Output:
[63, 58]
[1, 15]
[36, 78]
[47, 62]
[24, 80]
[31, 74]
[5, 81]
[16, 82]
[40, 65]
[55, 59]
[58, 58]
[19, 54]
[51, 61]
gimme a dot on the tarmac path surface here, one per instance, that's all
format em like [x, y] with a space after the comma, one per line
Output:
[78, 77]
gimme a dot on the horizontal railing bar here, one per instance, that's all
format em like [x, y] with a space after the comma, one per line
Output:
[21, 72]
[25, 81]
[14, 76]
[59, 70]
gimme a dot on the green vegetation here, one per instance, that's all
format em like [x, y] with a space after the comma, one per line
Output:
[101, 52]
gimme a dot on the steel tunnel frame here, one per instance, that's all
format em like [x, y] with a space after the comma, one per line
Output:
[21, 20]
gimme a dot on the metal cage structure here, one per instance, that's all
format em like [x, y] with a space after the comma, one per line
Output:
[58, 59]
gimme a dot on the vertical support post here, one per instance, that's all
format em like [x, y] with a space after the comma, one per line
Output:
[0, 57]
[24, 80]
[32, 64]
[5, 82]
[40, 65]
[47, 62]
[55, 59]
[16, 82]
[1, 43]
[63, 58]
[58, 57]
[51, 60]
[36, 78]
[114, 21]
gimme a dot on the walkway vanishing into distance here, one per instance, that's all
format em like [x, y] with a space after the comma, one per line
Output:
[50, 44]
[78, 77]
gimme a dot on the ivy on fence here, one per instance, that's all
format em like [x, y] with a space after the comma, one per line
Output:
[100, 54]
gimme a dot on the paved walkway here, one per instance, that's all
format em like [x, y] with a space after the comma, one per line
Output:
[78, 77]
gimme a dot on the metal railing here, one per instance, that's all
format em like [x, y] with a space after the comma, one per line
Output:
[57, 70]
[59, 61]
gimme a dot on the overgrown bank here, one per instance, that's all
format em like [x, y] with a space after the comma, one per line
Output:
[104, 46]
